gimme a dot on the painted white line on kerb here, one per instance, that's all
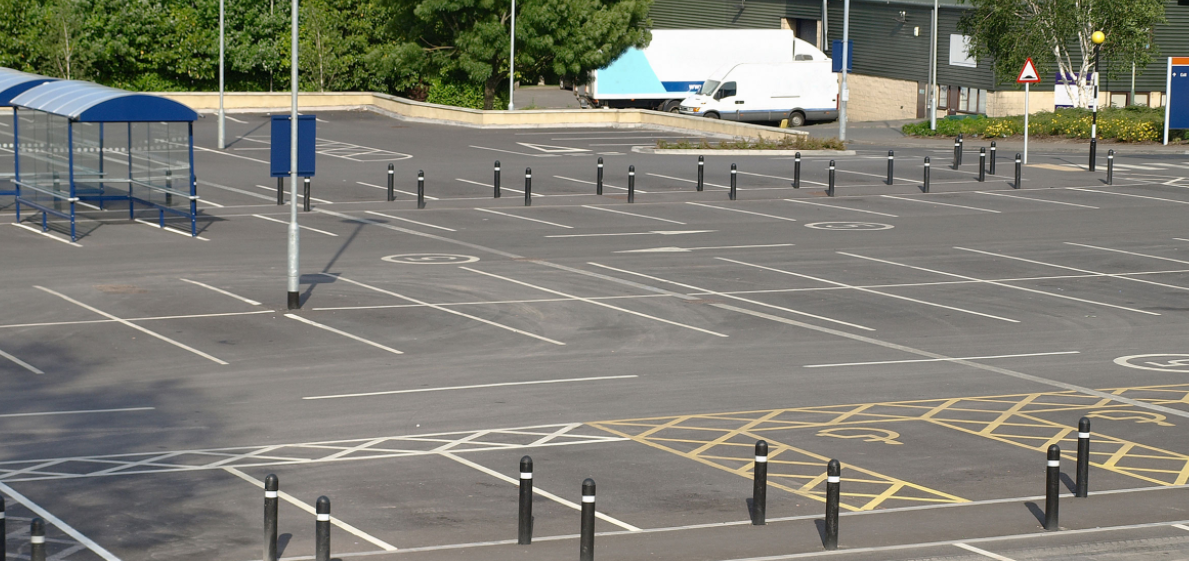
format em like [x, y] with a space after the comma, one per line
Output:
[1128, 252]
[223, 292]
[1127, 195]
[1035, 200]
[733, 297]
[916, 360]
[309, 509]
[172, 230]
[473, 387]
[78, 412]
[46, 234]
[596, 302]
[58, 523]
[21, 363]
[1096, 273]
[447, 310]
[374, 213]
[996, 283]
[132, 325]
[869, 291]
[741, 211]
[941, 204]
[686, 180]
[539, 491]
[303, 227]
[841, 208]
[591, 207]
[583, 181]
[523, 218]
[983, 552]
[344, 334]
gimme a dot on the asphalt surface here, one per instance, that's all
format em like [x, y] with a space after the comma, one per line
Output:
[936, 344]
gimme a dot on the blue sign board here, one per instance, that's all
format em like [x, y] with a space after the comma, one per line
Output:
[1176, 114]
[307, 130]
[836, 55]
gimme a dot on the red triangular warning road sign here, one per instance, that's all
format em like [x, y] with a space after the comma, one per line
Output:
[1028, 74]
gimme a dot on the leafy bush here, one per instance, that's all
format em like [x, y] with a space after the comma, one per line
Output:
[461, 94]
[1126, 124]
[785, 143]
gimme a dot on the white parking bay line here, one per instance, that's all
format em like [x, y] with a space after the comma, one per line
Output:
[21, 363]
[869, 291]
[1001, 284]
[473, 387]
[683, 180]
[916, 360]
[132, 325]
[1035, 200]
[444, 309]
[58, 523]
[652, 233]
[983, 552]
[344, 334]
[46, 234]
[690, 249]
[523, 218]
[309, 509]
[591, 207]
[79, 412]
[171, 230]
[374, 213]
[841, 208]
[1127, 252]
[1054, 265]
[928, 202]
[1181, 526]
[502, 187]
[803, 180]
[223, 292]
[733, 297]
[270, 219]
[585, 182]
[538, 491]
[427, 197]
[739, 210]
[1084, 190]
[595, 302]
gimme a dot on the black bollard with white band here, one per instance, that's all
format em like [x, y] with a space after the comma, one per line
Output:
[891, 160]
[599, 178]
[759, 486]
[528, 186]
[1082, 486]
[797, 170]
[322, 529]
[1052, 487]
[957, 152]
[391, 183]
[586, 542]
[280, 191]
[926, 185]
[631, 184]
[961, 148]
[1019, 172]
[1110, 167]
[3, 532]
[833, 495]
[734, 179]
[420, 189]
[830, 185]
[271, 487]
[992, 170]
[37, 540]
[982, 165]
[496, 183]
[701, 171]
[306, 195]
[524, 534]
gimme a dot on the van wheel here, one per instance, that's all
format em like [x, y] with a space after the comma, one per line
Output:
[671, 106]
[796, 119]
[712, 115]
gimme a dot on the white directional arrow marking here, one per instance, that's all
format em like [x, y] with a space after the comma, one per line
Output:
[552, 149]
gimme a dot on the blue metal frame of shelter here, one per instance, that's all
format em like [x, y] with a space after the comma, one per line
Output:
[12, 84]
[76, 104]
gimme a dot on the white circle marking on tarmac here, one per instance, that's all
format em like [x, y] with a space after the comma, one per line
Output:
[430, 259]
[851, 226]
[1161, 362]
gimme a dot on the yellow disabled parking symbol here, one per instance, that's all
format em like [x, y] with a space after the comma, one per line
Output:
[867, 434]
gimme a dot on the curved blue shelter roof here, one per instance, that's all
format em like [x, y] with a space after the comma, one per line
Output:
[90, 102]
[15, 82]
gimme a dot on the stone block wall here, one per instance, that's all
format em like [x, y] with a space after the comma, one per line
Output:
[880, 99]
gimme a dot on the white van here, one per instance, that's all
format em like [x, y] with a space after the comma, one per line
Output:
[800, 91]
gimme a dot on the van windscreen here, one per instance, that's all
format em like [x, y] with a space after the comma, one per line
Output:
[708, 87]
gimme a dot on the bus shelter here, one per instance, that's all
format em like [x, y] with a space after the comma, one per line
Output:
[80, 143]
[12, 84]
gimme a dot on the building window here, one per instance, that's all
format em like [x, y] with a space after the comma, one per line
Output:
[943, 97]
[1118, 99]
[1141, 98]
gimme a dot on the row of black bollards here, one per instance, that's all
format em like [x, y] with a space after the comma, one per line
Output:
[321, 522]
[305, 205]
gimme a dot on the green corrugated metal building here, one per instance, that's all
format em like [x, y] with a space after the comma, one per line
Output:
[891, 41]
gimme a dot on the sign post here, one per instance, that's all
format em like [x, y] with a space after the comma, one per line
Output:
[1176, 104]
[1028, 76]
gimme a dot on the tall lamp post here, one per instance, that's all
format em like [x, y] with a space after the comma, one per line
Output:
[512, 62]
[294, 277]
[1097, 38]
[222, 126]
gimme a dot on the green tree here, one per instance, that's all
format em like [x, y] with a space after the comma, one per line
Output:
[468, 40]
[1057, 33]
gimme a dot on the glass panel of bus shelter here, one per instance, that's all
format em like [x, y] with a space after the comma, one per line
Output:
[161, 163]
[44, 157]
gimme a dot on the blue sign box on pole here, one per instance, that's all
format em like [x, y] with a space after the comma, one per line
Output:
[1176, 105]
[307, 130]
[836, 55]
